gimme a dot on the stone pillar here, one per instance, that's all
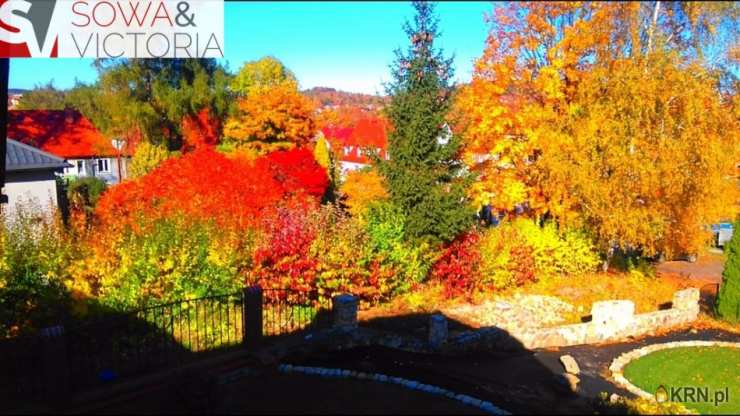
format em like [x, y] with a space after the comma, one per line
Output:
[344, 309]
[252, 316]
[437, 330]
[610, 318]
[687, 302]
[686, 299]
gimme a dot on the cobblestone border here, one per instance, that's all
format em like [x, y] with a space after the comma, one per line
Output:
[617, 366]
[487, 407]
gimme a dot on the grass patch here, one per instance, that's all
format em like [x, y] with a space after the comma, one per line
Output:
[714, 368]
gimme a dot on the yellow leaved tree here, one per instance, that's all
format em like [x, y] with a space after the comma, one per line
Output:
[613, 116]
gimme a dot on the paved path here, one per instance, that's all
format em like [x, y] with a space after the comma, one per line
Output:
[270, 392]
[707, 269]
[594, 361]
[521, 382]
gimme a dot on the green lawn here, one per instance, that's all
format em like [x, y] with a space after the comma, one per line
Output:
[713, 368]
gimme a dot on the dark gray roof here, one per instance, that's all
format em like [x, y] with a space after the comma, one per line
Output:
[21, 156]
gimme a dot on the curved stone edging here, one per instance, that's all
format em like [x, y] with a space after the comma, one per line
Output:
[617, 366]
[487, 407]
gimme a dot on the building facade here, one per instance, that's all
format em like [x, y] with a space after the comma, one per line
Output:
[69, 135]
[30, 178]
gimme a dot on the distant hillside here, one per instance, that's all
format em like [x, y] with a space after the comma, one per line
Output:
[329, 97]
[12, 91]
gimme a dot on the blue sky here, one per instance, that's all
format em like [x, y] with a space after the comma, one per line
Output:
[344, 45]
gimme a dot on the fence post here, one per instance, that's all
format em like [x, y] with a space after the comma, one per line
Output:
[437, 330]
[54, 362]
[252, 316]
[344, 308]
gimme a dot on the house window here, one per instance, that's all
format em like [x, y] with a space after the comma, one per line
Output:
[104, 165]
[80, 167]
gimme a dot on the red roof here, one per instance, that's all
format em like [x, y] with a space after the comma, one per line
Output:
[65, 133]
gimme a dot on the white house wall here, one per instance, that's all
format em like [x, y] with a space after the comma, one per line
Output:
[35, 187]
[347, 167]
[90, 169]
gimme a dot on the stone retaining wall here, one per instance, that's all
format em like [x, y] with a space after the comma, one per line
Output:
[611, 321]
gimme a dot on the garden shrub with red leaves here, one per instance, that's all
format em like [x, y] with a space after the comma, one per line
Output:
[512, 254]
[458, 267]
[283, 260]
[296, 171]
[207, 185]
[227, 203]
[321, 249]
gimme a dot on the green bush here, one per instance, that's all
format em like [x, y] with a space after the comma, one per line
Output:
[520, 251]
[172, 259]
[387, 245]
[83, 193]
[728, 300]
[35, 251]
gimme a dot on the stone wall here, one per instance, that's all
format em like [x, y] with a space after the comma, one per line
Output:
[611, 321]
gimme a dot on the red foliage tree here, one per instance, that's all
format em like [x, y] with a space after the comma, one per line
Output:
[297, 171]
[202, 129]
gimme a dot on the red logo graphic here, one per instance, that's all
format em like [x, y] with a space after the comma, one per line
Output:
[24, 29]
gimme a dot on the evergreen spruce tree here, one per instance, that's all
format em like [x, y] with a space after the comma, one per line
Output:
[424, 172]
[728, 301]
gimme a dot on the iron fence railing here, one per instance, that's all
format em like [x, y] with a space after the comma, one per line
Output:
[127, 345]
[285, 311]
[153, 338]
[22, 368]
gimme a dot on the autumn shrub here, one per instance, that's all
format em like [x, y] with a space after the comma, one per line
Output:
[458, 268]
[513, 254]
[170, 259]
[196, 224]
[35, 251]
[208, 185]
[147, 157]
[556, 252]
[323, 250]
[522, 251]
[282, 258]
[339, 247]
[297, 172]
[388, 247]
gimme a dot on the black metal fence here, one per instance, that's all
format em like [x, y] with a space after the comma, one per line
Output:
[124, 346]
[151, 339]
[287, 311]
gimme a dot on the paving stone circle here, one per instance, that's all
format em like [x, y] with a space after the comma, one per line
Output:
[617, 366]
[486, 406]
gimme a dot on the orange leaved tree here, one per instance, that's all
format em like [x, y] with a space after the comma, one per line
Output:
[612, 116]
[272, 117]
